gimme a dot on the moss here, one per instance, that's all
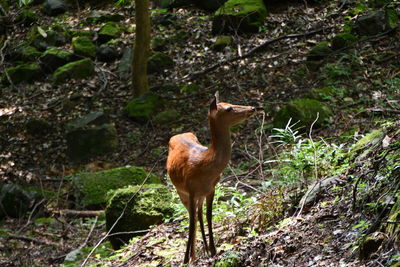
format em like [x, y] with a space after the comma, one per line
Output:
[229, 259]
[30, 53]
[75, 70]
[245, 15]
[392, 18]
[145, 206]
[369, 141]
[25, 73]
[304, 111]
[319, 51]
[84, 46]
[166, 117]
[92, 188]
[109, 31]
[143, 107]
[343, 40]
[393, 228]
[221, 42]
[159, 61]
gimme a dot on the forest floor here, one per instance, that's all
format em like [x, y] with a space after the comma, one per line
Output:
[326, 234]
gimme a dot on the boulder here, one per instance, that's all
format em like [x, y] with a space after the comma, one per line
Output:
[54, 58]
[54, 7]
[100, 16]
[143, 107]
[89, 136]
[221, 42]
[74, 70]
[45, 39]
[107, 53]
[109, 31]
[319, 51]
[166, 117]
[159, 61]
[343, 41]
[243, 16]
[304, 111]
[83, 46]
[141, 207]
[376, 22]
[125, 64]
[91, 188]
[368, 143]
[25, 73]
[28, 53]
[209, 5]
[15, 201]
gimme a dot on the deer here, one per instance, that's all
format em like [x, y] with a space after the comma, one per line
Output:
[195, 169]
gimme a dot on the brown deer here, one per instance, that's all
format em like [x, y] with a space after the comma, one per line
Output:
[195, 169]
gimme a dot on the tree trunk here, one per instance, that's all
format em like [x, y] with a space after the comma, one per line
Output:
[142, 48]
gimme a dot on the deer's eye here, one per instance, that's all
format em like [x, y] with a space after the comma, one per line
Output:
[229, 109]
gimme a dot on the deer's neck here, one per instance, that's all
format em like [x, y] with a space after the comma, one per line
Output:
[220, 148]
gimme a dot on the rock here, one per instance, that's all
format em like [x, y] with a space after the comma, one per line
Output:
[55, 7]
[243, 16]
[158, 61]
[371, 244]
[319, 51]
[125, 64]
[107, 53]
[109, 31]
[141, 108]
[343, 41]
[314, 191]
[38, 127]
[25, 73]
[378, 3]
[27, 17]
[74, 70]
[50, 38]
[376, 22]
[99, 16]
[366, 144]
[54, 58]
[145, 207]
[159, 44]
[15, 201]
[221, 42]
[83, 46]
[304, 111]
[91, 188]
[90, 136]
[209, 5]
[172, 3]
[29, 53]
[166, 117]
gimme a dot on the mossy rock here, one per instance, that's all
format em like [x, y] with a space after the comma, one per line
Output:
[51, 38]
[54, 58]
[229, 259]
[98, 16]
[221, 42]
[141, 208]
[343, 40]
[370, 244]
[110, 30]
[30, 53]
[25, 73]
[376, 22]
[74, 70]
[244, 16]
[159, 44]
[319, 51]
[166, 117]
[392, 229]
[91, 188]
[55, 7]
[83, 46]
[86, 143]
[27, 17]
[15, 201]
[304, 111]
[159, 61]
[366, 144]
[143, 107]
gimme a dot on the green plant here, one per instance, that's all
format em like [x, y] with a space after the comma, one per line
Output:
[289, 135]
[24, 2]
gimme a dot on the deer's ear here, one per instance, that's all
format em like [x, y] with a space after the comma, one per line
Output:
[213, 106]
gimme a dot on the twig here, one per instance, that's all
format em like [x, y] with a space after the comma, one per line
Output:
[79, 213]
[90, 233]
[252, 52]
